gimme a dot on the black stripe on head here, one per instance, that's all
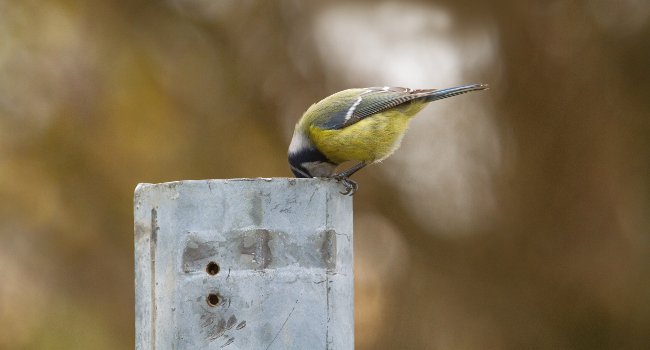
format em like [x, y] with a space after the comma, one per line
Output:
[306, 155]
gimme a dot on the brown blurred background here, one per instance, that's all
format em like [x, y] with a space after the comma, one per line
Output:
[513, 218]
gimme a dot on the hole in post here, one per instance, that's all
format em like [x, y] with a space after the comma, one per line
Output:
[213, 299]
[212, 268]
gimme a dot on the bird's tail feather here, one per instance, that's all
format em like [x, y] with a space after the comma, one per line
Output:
[444, 93]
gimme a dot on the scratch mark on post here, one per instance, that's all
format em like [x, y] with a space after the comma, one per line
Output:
[231, 322]
[218, 330]
[327, 311]
[312, 196]
[152, 253]
[230, 341]
[283, 324]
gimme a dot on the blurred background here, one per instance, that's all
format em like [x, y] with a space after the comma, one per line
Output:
[517, 217]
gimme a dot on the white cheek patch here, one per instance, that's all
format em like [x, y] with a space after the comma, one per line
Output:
[298, 142]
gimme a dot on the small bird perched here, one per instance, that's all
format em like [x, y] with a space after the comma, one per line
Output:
[363, 125]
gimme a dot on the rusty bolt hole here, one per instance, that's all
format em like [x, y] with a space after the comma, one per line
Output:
[212, 268]
[213, 299]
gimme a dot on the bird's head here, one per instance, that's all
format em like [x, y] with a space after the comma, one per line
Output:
[307, 161]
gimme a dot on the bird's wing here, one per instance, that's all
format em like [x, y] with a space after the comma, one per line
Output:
[368, 102]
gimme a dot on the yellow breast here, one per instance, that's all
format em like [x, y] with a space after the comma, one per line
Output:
[371, 139]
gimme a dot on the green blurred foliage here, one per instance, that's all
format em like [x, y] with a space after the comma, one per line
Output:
[97, 96]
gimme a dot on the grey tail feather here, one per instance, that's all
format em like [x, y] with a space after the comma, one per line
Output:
[444, 93]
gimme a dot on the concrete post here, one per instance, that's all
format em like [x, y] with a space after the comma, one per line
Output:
[243, 264]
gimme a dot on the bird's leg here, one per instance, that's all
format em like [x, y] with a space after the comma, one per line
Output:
[343, 177]
[350, 171]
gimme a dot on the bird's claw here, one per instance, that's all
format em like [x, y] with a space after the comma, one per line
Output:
[350, 186]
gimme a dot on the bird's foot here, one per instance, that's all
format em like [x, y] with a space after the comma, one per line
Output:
[350, 186]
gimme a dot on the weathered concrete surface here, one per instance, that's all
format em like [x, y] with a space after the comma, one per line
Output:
[284, 251]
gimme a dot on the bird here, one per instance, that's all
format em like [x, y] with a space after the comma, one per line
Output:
[361, 125]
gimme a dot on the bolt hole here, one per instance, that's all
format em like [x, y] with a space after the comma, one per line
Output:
[213, 299]
[212, 268]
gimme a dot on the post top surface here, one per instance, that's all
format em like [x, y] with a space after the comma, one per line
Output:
[280, 180]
